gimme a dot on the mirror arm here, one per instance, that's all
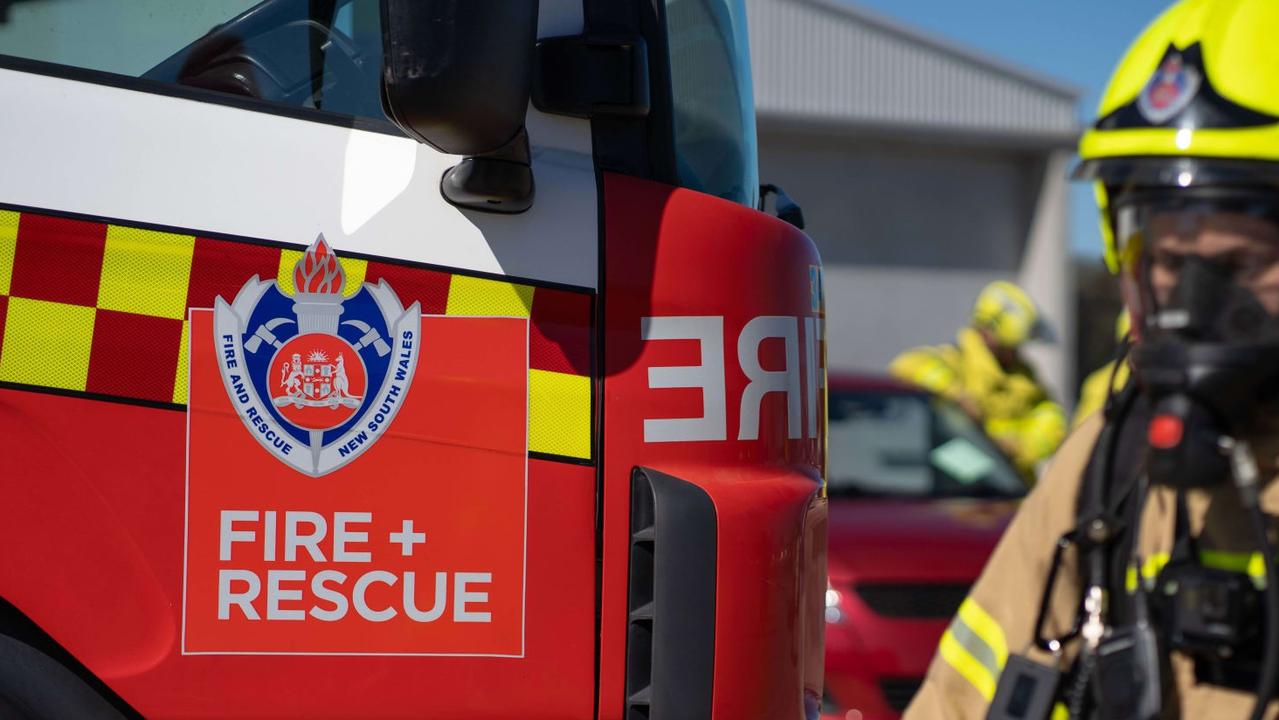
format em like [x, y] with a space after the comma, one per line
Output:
[787, 209]
[500, 181]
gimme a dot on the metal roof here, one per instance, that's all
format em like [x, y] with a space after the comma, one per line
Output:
[831, 63]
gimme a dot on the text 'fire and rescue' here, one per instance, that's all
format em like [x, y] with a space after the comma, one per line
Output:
[377, 419]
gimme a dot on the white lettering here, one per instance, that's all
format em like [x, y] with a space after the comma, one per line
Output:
[322, 592]
[708, 377]
[275, 593]
[229, 534]
[342, 536]
[268, 537]
[362, 586]
[441, 598]
[811, 346]
[764, 381]
[461, 597]
[310, 541]
[243, 600]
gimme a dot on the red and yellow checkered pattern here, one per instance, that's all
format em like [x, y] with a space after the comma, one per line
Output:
[101, 308]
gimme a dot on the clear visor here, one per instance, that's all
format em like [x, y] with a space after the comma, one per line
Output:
[1202, 265]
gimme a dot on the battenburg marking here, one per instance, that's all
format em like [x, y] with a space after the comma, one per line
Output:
[316, 378]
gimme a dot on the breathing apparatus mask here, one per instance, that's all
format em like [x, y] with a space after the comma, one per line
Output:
[1200, 271]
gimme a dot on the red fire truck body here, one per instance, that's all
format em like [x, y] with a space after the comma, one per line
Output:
[336, 381]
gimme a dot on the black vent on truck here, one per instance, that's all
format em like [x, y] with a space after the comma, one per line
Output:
[670, 634]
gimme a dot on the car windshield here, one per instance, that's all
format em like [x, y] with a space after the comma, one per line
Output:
[910, 444]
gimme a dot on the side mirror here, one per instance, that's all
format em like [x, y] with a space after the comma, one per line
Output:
[456, 76]
[787, 210]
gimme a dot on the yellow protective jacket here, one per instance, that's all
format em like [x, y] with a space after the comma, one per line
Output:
[1096, 388]
[998, 616]
[1015, 410]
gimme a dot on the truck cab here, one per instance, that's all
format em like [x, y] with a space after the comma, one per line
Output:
[401, 358]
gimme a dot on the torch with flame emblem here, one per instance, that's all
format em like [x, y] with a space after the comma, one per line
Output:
[318, 280]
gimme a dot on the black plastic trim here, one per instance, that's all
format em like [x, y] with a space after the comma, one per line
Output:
[16, 625]
[100, 397]
[588, 76]
[497, 182]
[563, 459]
[597, 415]
[212, 97]
[670, 645]
[639, 146]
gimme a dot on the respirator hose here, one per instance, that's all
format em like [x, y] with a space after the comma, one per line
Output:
[1244, 467]
[1270, 660]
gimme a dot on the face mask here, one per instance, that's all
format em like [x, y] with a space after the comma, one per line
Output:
[1208, 358]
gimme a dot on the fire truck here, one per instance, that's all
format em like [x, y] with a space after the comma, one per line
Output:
[401, 358]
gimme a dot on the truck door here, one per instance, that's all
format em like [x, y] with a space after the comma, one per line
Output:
[283, 431]
[713, 394]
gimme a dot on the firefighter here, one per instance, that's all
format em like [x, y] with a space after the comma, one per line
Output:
[1105, 380]
[1134, 581]
[985, 374]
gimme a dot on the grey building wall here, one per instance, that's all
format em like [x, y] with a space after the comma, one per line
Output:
[832, 60]
[911, 229]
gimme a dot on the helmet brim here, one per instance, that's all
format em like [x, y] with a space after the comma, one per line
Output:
[1122, 173]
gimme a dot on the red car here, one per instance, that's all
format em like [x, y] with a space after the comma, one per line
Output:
[918, 498]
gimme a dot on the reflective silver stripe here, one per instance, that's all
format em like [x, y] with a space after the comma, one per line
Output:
[976, 646]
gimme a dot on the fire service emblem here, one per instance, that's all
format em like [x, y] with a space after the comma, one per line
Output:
[1171, 88]
[316, 377]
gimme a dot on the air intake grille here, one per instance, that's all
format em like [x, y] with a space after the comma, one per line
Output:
[670, 634]
[934, 601]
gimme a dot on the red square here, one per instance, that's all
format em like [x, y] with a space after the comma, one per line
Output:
[220, 267]
[134, 356]
[429, 287]
[476, 369]
[58, 260]
[560, 335]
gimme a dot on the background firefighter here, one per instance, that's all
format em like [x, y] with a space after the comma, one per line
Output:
[985, 374]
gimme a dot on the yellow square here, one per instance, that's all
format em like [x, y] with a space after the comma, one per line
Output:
[8, 243]
[355, 270]
[559, 413]
[184, 353]
[146, 272]
[47, 344]
[489, 298]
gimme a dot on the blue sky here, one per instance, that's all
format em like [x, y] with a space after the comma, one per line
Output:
[1076, 41]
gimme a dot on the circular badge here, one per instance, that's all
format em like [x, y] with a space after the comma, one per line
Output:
[317, 381]
[1170, 90]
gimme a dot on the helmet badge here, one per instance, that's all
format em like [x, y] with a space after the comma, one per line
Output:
[1170, 89]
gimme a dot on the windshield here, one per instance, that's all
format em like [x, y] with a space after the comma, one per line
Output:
[316, 54]
[902, 443]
